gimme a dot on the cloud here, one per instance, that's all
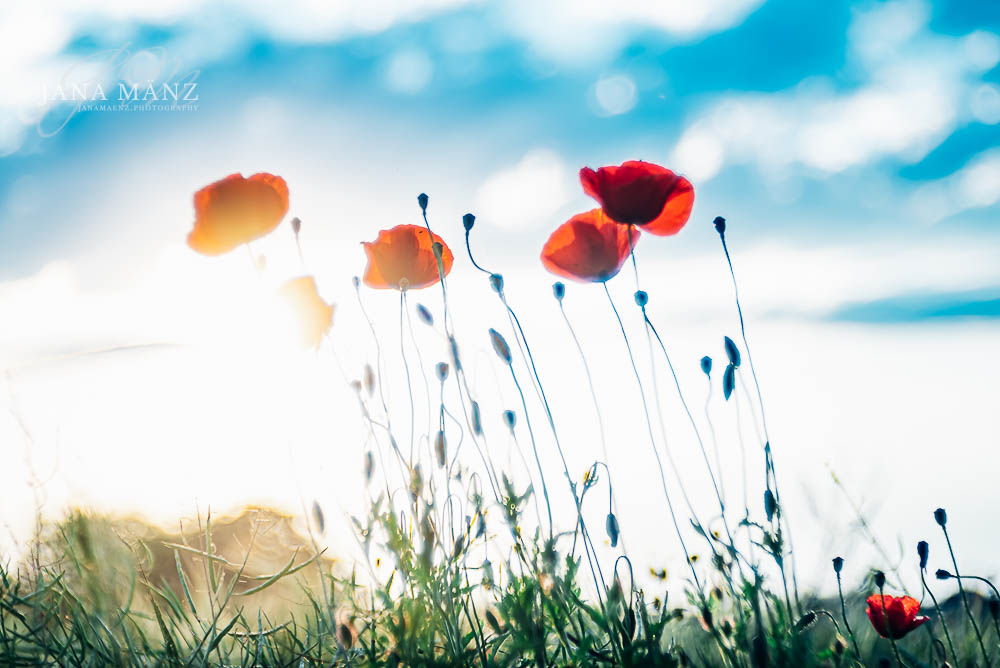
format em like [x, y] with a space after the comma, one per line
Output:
[974, 186]
[920, 307]
[528, 193]
[916, 93]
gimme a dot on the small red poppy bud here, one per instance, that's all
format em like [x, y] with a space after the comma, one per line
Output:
[509, 419]
[720, 224]
[838, 564]
[922, 551]
[422, 201]
[468, 220]
[500, 346]
[496, 282]
[559, 290]
[641, 298]
[940, 516]
[442, 369]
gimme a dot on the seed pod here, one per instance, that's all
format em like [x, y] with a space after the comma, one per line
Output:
[559, 290]
[770, 505]
[468, 220]
[729, 381]
[923, 550]
[422, 201]
[838, 564]
[442, 371]
[477, 419]
[369, 380]
[441, 449]
[611, 526]
[496, 282]
[732, 352]
[706, 365]
[500, 346]
[369, 465]
[425, 315]
[318, 517]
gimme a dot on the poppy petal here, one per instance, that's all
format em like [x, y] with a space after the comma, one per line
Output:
[405, 252]
[237, 210]
[313, 316]
[638, 193]
[676, 211]
[589, 247]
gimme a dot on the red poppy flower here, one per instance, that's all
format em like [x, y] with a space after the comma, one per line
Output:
[641, 193]
[314, 316]
[898, 618]
[403, 258]
[237, 210]
[588, 247]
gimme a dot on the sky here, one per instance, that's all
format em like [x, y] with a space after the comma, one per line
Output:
[854, 148]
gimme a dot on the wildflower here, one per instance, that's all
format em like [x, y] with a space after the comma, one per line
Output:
[641, 193]
[403, 258]
[898, 617]
[314, 317]
[237, 210]
[589, 247]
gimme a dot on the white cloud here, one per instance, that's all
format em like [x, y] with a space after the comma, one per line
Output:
[587, 31]
[528, 193]
[974, 186]
[915, 96]
[614, 95]
[408, 71]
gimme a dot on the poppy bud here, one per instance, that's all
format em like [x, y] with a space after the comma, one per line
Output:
[611, 526]
[559, 290]
[296, 225]
[942, 574]
[440, 449]
[770, 505]
[422, 201]
[442, 371]
[729, 381]
[318, 517]
[838, 564]
[496, 282]
[425, 315]
[940, 516]
[641, 298]
[369, 379]
[706, 365]
[369, 465]
[922, 550]
[879, 578]
[720, 224]
[355, 281]
[453, 344]
[509, 419]
[805, 621]
[500, 346]
[494, 623]
[468, 220]
[732, 352]
[477, 420]
[481, 526]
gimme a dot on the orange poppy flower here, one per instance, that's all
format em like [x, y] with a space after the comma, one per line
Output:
[641, 193]
[588, 247]
[403, 258]
[237, 210]
[314, 317]
[898, 618]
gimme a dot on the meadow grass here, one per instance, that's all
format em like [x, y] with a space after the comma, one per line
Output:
[481, 571]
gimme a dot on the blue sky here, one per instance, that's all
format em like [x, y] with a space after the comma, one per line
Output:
[854, 148]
